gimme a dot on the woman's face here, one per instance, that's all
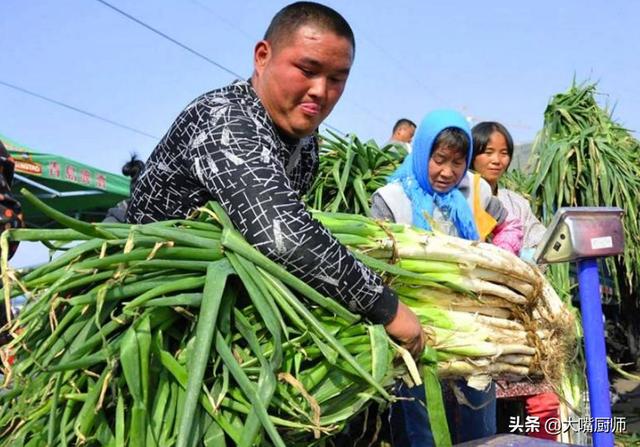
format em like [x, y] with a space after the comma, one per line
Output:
[446, 168]
[493, 162]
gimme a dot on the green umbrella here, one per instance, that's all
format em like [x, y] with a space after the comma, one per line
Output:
[74, 188]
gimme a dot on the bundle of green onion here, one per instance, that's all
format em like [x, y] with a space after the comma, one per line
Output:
[180, 333]
[486, 312]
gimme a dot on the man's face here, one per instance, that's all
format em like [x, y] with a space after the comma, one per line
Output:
[300, 79]
[405, 133]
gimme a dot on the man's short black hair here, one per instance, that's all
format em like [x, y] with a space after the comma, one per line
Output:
[403, 122]
[297, 14]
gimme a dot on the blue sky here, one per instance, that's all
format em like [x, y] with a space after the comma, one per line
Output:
[498, 60]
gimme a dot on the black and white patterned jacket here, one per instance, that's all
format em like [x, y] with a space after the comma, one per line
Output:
[225, 147]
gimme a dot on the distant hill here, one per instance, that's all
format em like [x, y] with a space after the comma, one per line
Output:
[521, 154]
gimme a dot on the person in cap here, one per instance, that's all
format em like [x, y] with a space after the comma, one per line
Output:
[132, 169]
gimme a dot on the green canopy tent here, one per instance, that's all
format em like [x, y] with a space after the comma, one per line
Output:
[74, 188]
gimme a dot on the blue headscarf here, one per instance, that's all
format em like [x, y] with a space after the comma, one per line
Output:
[413, 173]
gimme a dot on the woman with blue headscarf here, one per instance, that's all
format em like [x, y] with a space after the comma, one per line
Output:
[433, 190]
[433, 187]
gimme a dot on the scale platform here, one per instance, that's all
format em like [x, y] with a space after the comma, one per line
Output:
[511, 440]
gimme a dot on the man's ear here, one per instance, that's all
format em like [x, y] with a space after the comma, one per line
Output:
[261, 55]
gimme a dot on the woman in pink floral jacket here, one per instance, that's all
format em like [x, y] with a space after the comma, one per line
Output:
[492, 153]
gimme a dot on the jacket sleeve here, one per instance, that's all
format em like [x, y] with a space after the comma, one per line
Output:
[508, 235]
[237, 160]
[520, 208]
[533, 229]
[380, 209]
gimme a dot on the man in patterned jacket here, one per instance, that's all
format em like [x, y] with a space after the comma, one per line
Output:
[251, 147]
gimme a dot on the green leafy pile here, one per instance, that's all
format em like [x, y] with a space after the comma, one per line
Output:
[350, 172]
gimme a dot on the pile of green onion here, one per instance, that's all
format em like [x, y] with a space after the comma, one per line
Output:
[181, 333]
[349, 172]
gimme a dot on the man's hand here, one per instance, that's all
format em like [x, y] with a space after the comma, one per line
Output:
[405, 328]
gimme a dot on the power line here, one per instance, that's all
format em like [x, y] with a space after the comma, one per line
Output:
[76, 109]
[401, 67]
[335, 129]
[171, 39]
[187, 48]
[224, 20]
